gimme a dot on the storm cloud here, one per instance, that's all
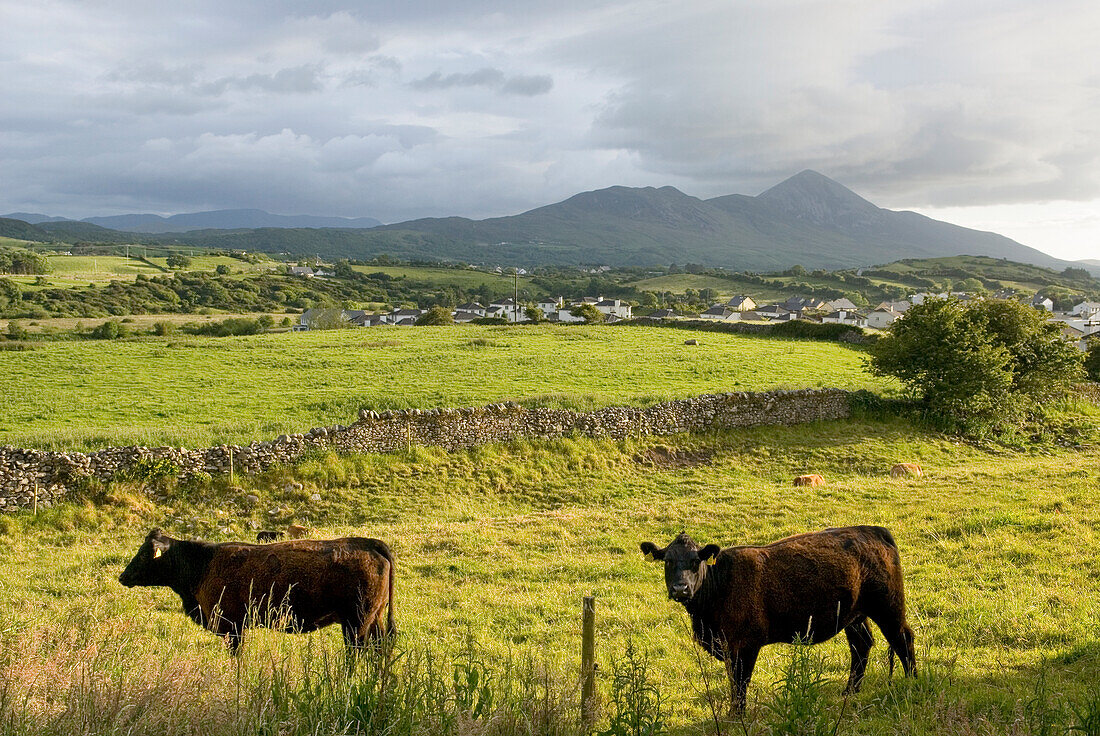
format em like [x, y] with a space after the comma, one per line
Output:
[399, 110]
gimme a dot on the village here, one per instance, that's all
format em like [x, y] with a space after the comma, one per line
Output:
[1080, 323]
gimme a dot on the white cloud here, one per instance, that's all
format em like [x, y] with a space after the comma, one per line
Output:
[487, 107]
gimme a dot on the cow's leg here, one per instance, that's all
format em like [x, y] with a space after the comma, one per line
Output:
[860, 641]
[740, 663]
[900, 638]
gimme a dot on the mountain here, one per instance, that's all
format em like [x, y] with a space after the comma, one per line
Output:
[225, 220]
[808, 219]
[20, 230]
[32, 217]
[1090, 262]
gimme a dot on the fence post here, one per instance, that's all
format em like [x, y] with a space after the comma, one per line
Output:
[588, 660]
[231, 465]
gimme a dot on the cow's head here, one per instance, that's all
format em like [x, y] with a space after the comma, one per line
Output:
[685, 565]
[150, 565]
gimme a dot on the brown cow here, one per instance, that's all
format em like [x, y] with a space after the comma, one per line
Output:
[906, 469]
[296, 586]
[806, 588]
[297, 531]
[813, 481]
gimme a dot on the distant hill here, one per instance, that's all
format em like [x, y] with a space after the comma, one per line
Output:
[225, 220]
[1090, 262]
[808, 219]
[21, 230]
[32, 217]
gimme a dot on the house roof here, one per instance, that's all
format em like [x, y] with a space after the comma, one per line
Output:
[469, 306]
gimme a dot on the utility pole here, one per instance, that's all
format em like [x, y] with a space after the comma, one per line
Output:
[515, 307]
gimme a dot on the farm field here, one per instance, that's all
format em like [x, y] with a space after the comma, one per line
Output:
[194, 391]
[496, 546]
[678, 283]
[462, 278]
[136, 321]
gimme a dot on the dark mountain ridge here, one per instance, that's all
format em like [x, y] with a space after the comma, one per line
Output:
[239, 219]
[808, 219]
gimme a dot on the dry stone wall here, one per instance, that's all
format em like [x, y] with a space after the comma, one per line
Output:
[42, 477]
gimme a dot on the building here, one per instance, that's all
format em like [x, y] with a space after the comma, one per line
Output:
[880, 319]
[721, 313]
[741, 303]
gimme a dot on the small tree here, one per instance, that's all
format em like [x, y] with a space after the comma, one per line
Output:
[589, 313]
[534, 315]
[222, 269]
[1092, 361]
[437, 315]
[178, 260]
[16, 330]
[978, 364]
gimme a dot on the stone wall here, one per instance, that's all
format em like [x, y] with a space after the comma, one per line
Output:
[42, 477]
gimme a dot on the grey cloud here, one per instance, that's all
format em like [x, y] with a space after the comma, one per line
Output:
[300, 79]
[485, 77]
[528, 86]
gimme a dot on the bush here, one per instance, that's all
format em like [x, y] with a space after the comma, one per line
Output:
[588, 313]
[1092, 361]
[229, 327]
[222, 269]
[163, 328]
[178, 261]
[436, 316]
[979, 364]
[112, 329]
[16, 330]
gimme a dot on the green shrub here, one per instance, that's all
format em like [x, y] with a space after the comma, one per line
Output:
[1092, 361]
[977, 365]
[436, 316]
[112, 329]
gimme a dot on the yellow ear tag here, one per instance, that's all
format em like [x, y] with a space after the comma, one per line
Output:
[712, 560]
[157, 552]
[649, 557]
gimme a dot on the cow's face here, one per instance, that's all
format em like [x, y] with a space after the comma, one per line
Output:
[685, 565]
[150, 564]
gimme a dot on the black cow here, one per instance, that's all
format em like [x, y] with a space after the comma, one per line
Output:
[807, 588]
[300, 585]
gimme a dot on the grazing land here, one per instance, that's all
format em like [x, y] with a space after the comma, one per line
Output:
[496, 546]
[195, 391]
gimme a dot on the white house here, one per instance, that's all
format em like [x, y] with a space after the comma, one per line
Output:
[1042, 302]
[741, 303]
[549, 306]
[1086, 309]
[839, 304]
[509, 309]
[721, 313]
[615, 308]
[880, 319]
[301, 271]
[844, 317]
[472, 308]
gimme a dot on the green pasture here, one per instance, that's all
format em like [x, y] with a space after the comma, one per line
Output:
[195, 391]
[497, 546]
[89, 266]
[203, 262]
[462, 278]
[678, 283]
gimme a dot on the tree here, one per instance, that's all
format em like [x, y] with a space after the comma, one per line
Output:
[534, 315]
[178, 260]
[979, 364]
[16, 330]
[588, 312]
[436, 316]
[1092, 361]
[327, 318]
[222, 269]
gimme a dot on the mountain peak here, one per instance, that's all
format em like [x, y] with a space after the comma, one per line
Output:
[812, 196]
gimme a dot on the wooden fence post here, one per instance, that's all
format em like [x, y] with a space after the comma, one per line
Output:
[588, 661]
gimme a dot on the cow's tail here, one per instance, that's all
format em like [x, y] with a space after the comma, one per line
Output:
[383, 549]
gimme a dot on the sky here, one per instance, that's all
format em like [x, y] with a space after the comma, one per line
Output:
[986, 114]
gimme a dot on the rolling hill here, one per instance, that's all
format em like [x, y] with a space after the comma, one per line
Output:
[808, 219]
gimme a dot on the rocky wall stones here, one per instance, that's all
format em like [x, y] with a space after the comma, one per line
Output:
[40, 477]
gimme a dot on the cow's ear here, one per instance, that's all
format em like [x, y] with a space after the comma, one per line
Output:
[160, 546]
[709, 554]
[649, 549]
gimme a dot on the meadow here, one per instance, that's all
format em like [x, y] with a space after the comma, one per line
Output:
[194, 391]
[468, 279]
[495, 549]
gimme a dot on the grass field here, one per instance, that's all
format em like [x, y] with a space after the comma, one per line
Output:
[201, 391]
[463, 278]
[142, 322]
[678, 283]
[496, 547]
